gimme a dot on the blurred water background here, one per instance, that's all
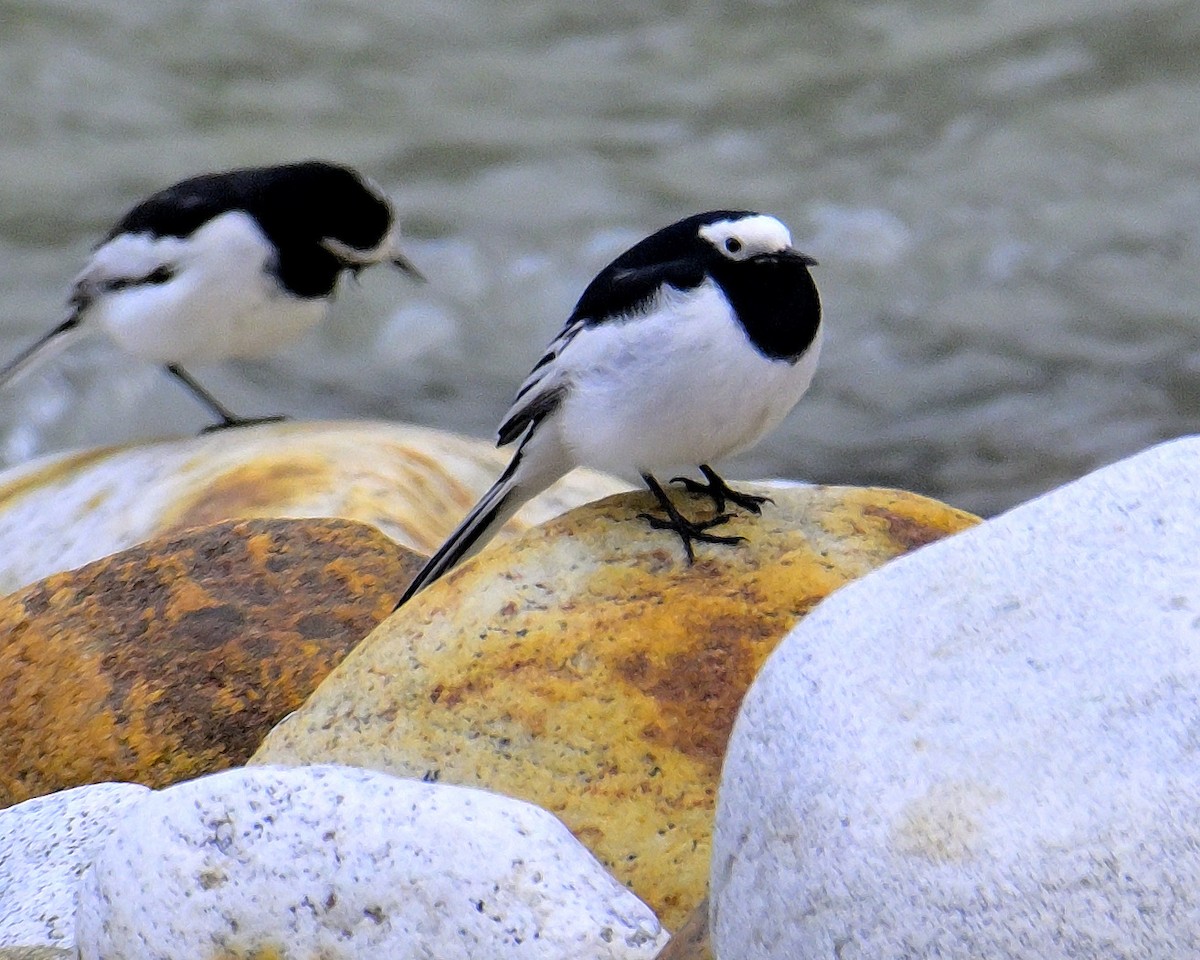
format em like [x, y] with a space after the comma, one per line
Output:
[1004, 196]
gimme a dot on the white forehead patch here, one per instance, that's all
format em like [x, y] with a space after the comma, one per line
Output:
[748, 236]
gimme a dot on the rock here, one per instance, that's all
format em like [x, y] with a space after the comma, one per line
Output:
[414, 484]
[176, 657]
[987, 749]
[45, 845]
[691, 941]
[586, 668]
[335, 862]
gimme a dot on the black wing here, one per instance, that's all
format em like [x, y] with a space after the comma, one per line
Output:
[621, 291]
[181, 209]
[313, 197]
[674, 255]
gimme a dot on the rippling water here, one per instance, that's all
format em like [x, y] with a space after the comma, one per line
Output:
[1003, 196]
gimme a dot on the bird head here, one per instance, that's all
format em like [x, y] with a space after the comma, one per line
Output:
[752, 238]
[361, 223]
[386, 251]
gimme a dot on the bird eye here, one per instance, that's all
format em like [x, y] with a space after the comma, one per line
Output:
[733, 244]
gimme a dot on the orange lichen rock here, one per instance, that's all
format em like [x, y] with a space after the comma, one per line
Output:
[587, 668]
[174, 658]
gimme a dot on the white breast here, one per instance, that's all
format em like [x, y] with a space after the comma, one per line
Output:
[680, 386]
[221, 303]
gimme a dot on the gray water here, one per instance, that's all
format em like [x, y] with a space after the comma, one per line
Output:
[1003, 196]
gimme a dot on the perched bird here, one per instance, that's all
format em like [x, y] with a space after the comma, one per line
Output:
[688, 347]
[232, 264]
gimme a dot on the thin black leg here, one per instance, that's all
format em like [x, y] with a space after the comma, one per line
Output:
[227, 418]
[688, 530]
[719, 491]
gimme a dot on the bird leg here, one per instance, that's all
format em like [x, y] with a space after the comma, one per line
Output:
[719, 491]
[688, 530]
[227, 418]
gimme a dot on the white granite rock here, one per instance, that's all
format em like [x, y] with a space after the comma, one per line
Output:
[338, 862]
[989, 748]
[45, 846]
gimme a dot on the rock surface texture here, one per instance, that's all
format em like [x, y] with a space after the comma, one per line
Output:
[174, 658]
[585, 667]
[987, 749]
[414, 484]
[45, 846]
[336, 863]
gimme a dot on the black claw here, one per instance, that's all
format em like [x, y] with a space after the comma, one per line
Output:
[232, 423]
[689, 531]
[720, 493]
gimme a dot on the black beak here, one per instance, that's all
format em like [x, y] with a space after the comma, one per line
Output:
[401, 262]
[789, 255]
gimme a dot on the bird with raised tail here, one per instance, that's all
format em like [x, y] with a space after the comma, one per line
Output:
[687, 348]
[224, 265]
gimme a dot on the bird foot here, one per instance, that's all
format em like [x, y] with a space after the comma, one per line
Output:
[232, 423]
[691, 531]
[720, 493]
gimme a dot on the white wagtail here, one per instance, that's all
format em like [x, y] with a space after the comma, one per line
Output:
[688, 347]
[232, 264]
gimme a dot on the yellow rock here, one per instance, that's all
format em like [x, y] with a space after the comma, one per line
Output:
[586, 668]
[414, 484]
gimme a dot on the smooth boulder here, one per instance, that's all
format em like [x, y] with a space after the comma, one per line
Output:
[45, 846]
[986, 749]
[414, 484]
[586, 667]
[341, 863]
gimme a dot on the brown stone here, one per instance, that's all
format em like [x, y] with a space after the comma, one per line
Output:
[174, 658]
[691, 941]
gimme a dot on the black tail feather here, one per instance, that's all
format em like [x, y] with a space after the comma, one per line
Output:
[31, 354]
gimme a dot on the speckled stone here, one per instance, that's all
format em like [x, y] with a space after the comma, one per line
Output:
[45, 846]
[987, 749]
[414, 484]
[174, 658]
[585, 667]
[335, 862]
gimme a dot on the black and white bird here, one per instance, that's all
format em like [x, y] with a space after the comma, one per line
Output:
[687, 348]
[223, 265]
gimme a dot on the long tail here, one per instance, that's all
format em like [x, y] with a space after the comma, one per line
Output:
[43, 348]
[536, 464]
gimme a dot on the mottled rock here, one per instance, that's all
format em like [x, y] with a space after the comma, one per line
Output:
[336, 862]
[586, 668]
[174, 658]
[414, 484]
[984, 750]
[45, 845]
